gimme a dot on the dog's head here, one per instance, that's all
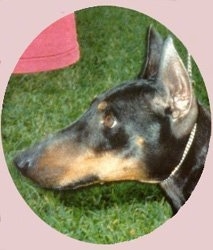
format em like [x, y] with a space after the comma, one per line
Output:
[135, 131]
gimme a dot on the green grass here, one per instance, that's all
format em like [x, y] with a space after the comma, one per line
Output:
[113, 43]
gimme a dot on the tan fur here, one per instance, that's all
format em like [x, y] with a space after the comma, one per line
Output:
[102, 106]
[139, 141]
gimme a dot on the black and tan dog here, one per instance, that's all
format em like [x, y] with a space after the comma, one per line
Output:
[150, 130]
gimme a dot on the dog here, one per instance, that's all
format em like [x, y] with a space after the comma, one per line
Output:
[150, 130]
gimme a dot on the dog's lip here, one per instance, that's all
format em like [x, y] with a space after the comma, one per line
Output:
[83, 182]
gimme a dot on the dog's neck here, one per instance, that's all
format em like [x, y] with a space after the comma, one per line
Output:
[182, 180]
[185, 152]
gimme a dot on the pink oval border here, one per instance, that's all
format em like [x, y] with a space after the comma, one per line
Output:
[20, 228]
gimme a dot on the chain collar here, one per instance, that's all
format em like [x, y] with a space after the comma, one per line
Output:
[185, 152]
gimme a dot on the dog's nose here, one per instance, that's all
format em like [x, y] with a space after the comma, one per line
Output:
[27, 160]
[24, 161]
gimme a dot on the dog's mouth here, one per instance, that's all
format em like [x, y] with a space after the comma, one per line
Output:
[28, 162]
[84, 182]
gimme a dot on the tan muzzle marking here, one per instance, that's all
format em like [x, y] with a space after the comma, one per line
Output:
[60, 167]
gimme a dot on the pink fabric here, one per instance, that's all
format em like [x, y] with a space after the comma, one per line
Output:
[56, 47]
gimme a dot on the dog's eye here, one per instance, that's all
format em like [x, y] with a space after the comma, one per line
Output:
[109, 121]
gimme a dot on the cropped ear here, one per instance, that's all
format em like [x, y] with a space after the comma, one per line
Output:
[155, 43]
[174, 76]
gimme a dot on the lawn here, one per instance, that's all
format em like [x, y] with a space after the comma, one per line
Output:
[113, 43]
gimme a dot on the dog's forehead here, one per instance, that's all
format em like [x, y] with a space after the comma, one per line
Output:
[124, 93]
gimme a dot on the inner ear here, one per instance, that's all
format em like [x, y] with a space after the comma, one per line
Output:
[174, 76]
